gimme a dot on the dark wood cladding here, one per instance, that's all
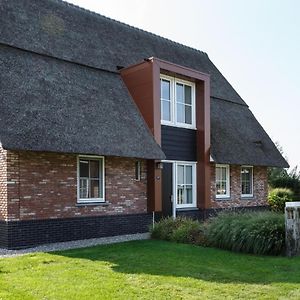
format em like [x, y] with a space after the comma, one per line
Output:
[179, 143]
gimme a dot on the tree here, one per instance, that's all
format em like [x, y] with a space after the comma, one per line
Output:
[274, 173]
[282, 178]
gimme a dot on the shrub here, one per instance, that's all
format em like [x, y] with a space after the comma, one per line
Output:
[180, 230]
[277, 198]
[281, 178]
[259, 233]
[163, 229]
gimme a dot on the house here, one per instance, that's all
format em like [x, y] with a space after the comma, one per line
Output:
[104, 127]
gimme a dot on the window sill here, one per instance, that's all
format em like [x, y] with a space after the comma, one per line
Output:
[247, 197]
[225, 198]
[178, 125]
[80, 204]
[186, 208]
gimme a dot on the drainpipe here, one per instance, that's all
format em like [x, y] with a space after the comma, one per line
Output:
[153, 219]
[173, 207]
[174, 198]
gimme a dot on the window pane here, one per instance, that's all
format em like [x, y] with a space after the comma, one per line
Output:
[94, 168]
[188, 94]
[180, 174]
[83, 188]
[224, 175]
[246, 181]
[246, 188]
[84, 168]
[180, 113]
[137, 170]
[222, 180]
[188, 114]
[221, 188]
[179, 93]
[218, 174]
[166, 110]
[165, 89]
[94, 192]
[189, 195]
[180, 195]
[188, 174]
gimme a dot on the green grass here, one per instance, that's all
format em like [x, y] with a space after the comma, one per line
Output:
[148, 270]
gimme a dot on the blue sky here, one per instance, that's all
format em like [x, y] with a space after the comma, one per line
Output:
[254, 43]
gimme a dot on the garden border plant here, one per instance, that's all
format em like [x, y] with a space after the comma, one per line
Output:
[258, 233]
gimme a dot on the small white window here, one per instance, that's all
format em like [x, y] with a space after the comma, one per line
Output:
[222, 181]
[247, 181]
[186, 185]
[138, 170]
[177, 102]
[90, 179]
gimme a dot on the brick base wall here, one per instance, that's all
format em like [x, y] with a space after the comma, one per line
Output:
[22, 234]
[44, 186]
[260, 188]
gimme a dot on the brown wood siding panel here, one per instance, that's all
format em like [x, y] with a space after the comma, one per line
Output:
[141, 81]
[203, 143]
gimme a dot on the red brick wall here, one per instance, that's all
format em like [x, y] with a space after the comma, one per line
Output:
[260, 188]
[44, 185]
[3, 189]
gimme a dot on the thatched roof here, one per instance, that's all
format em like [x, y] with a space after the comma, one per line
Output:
[62, 91]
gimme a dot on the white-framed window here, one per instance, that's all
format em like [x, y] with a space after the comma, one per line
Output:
[222, 181]
[90, 179]
[185, 184]
[177, 102]
[138, 170]
[247, 181]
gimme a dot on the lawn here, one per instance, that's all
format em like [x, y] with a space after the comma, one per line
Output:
[148, 270]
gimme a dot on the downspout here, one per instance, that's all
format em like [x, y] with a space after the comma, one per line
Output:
[174, 196]
[153, 219]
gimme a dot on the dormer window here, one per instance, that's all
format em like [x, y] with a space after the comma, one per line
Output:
[177, 102]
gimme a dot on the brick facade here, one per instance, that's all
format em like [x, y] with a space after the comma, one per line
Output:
[260, 189]
[38, 199]
[44, 186]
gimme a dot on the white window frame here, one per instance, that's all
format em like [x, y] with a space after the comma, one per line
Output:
[175, 163]
[173, 81]
[138, 170]
[90, 200]
[172, 117]
[227, 195]
[194, 182]
[247, 195]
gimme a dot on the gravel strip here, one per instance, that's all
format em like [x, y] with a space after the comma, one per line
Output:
[75, 244]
